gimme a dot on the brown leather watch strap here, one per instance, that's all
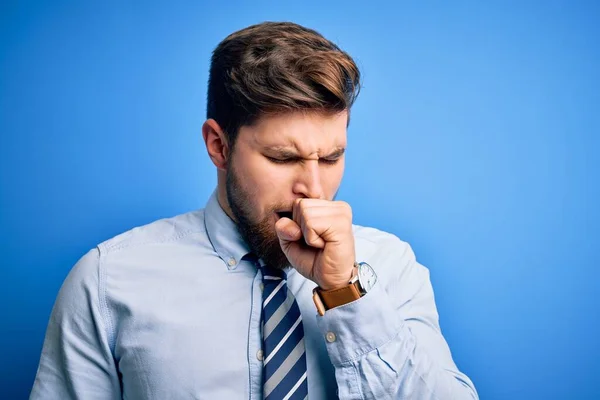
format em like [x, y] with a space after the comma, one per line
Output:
[327, 299]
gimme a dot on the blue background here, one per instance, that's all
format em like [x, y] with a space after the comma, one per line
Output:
[475, 138]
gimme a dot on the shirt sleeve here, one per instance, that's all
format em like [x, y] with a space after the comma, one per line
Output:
[388, 344]
[76, 361]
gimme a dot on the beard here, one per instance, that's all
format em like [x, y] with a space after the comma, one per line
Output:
[259, 234]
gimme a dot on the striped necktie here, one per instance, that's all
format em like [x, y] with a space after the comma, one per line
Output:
[284, 362]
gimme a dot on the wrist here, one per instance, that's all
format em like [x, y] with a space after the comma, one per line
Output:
[329, 284]
[356, 287]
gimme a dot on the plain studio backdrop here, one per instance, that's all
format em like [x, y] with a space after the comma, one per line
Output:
[475, 138]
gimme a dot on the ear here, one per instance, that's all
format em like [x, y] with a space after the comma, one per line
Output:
[216, 143]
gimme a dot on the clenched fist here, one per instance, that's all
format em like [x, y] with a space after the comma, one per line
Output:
[318, 241]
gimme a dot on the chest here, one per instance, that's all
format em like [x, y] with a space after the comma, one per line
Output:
[202, 341]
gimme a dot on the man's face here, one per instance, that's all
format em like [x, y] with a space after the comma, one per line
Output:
[277, 160]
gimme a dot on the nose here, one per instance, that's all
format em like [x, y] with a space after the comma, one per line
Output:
[308, 183]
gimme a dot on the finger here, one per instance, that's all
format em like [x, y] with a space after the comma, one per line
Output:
[296, 209]
[322, 224]
[300, 206]
[300, 256]
[300, 212]
[304, 202]
[308, 219]
[312, 238]
[288, 230]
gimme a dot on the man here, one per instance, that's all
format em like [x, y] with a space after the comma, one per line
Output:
[270, 291]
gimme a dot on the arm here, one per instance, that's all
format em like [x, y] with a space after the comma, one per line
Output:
[76, 361]
[388, 344]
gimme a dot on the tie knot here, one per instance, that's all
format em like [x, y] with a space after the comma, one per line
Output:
[272, 274]
[269, 273]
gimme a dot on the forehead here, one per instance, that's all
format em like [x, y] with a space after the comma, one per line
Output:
[308, 133]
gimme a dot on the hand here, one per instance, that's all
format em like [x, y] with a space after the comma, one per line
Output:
[318, 241]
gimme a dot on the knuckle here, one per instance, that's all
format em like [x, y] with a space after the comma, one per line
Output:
[346, 208]
[312, 238]
[305, 213]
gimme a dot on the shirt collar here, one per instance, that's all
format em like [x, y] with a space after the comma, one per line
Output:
[223, 234]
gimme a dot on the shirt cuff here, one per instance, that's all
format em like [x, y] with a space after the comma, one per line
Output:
[356, 328]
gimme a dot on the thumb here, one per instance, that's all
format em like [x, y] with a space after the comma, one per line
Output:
[287, 230]
[290, 236]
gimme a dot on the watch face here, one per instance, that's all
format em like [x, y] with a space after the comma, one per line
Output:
[366, 276]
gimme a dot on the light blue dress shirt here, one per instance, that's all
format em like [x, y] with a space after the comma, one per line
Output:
[170, 310]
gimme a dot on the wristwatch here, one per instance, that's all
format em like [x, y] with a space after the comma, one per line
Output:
[362, 281]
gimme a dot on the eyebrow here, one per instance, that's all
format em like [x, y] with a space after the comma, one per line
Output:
[286, 152]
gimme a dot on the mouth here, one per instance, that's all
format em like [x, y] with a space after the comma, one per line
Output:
[284, 214]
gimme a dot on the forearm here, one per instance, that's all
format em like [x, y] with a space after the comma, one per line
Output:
[377, 355]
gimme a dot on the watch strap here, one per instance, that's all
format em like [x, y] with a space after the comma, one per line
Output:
[328, 299]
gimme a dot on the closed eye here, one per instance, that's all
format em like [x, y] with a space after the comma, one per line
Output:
[281, 160]
[293, 160]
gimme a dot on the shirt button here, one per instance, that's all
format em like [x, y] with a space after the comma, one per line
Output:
[330, 337]
[261, 286]
[231, 262]
[259, 355]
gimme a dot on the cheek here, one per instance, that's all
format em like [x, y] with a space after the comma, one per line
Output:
[332, 178]
[252, 172]
[266, 183]
[267, 178]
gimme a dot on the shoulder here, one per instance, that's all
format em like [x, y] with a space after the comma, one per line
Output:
[140, 244]
[369, 239]
[164, 230]
[392, 257]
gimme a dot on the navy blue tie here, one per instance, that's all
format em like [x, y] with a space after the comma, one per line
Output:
[284, 355]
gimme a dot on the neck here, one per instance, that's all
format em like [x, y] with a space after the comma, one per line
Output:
[222, 195]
